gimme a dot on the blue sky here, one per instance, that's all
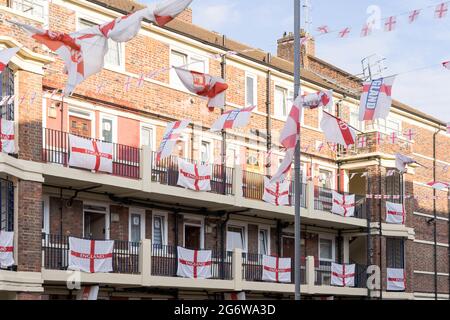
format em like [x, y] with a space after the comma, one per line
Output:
[260, 23]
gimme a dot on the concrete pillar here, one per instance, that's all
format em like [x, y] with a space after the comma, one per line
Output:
[346, 249]
[146, 167]
[145, 259]
[310, 196]
[310, 275]
[237, 269]
[237, 182]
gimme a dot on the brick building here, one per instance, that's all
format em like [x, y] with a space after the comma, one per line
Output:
[44, 201]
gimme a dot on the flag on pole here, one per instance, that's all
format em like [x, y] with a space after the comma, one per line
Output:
[337, 130]
[232, 119]
[291, 130]
[285, 166]
[376, 99]
[315, 100]
[172, 134]
[5, 56]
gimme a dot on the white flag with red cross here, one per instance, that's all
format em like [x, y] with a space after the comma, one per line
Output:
[376, 99]
[337, 130]
[204, 85]
[342, 275]
[395, 213]
[5, 56]
[7, 144]
[317, 99]
[439, 185]
[401, 161]
[276, 193]
[291, 130]
[232, 119]
[88, 293]
[6, 249]
[285, 166]
[446, 64]
[235, 296]
[90, 255]
[396, 279]
[90, 154]
[276, 269]
[343, 204]
[194, 176]
[170, 138]
[194, 264]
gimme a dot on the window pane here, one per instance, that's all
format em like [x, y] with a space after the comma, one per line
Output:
[135, 228]
[235, 238]
[178, 60]
[34, 8]
[147, 137]
[197, 65]
[205, 152]
[107, 130]
[158, 230]
[250, 82]
[263, 242]
[326, 251]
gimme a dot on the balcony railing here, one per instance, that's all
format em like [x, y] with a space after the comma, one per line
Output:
[56, 254]
[164, 262]
[166, 172]
[253, 188]
[126, 159]
[323, 201]
[252, 268]
[323, 274]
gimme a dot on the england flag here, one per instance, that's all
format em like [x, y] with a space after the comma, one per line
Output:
[88, 293]
[396, 280]
[6, 249]
[7, 144]
[5, 56]
[342, 275]
[337, 131]
[395, 213]
[318, 99]
[194, 264]
[170, 138]
[194, 176]
[343, 204]
[233, 119]
[90, 255]
[90, 154]
[376, 99]
[276, 193]
[276, 269]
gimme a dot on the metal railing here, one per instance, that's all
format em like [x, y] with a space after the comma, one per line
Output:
[165, 261]
[55, 149]
[166, 172]
[323, 201]
[252, 268]
[253, 188]
[56, 254]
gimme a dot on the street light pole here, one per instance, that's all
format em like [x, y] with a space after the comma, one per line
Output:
[297, 181]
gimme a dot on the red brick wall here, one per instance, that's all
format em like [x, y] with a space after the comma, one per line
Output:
[72, 217]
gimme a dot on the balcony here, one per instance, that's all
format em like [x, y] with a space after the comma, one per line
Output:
[323, 274]
[323, 201]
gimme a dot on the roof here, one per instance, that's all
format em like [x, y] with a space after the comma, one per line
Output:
[257, 55]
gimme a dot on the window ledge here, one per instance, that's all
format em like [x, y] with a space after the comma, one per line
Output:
[43, 21]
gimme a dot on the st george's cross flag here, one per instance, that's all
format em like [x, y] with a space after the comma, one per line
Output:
[6, 249]
[446, 64]
[343, 204]
[317, 99]
[194, 176]
[337, 130]
[235, 296]
[88, 293]
[194, 264]
[204, 85]
[276, 269]
[342, 275]
[170, 138]
[276, 193]
[90, 256]
[395, 213]
[7, 144]
[439, 185]
[285, 166]
[232, 119]
[401, 161]
[376, 99]
[90, 154]
[396, 280]
[5, 56]
[291, 130]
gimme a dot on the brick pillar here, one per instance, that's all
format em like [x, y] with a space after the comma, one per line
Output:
[29, 226]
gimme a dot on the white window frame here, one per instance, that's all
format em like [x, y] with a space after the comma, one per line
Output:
[333, 247]
[43, 19]
[107, 215]
[189, 56]
[211, 149]
[237, 155]
[333, 175]
[255, 89]
[165, 228]
[238, 224]
[140, 212]
[267, 229]
[201, 224]
[114, 122]
[46, 213]
[144, 125]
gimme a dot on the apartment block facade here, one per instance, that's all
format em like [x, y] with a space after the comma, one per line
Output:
[139, 206]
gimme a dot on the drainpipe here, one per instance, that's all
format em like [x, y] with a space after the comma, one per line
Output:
[435, 219]
[380, 243]
[340, 247]
[223, 71]
[268, 112]
[61, 211]
[279, 237]
[222, 244]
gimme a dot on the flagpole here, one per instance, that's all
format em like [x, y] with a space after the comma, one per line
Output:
[297, 181]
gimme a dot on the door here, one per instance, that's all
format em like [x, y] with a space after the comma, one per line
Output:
[80, 126]
[192, 236]
[94, 225]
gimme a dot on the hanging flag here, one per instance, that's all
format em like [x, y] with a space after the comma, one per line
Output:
[323, 29]
[5, 56]
[342, 275]
[90, 255]
[396, 279]
[194, 264]
[343, 204]
[88, 293]
[90, 154]
[232, 119]
[204, 85]
[235, 296]
[194, 176]
[441, 10]
[395, 213]
[344, 33]
[337, 131]
[276, 193]
[446, 64]
[366, 30]
[276, 269]
[4, 100]
[413, 16]
[376, 99]
[285, 167]
[390, 24]
[401, 161]
[7, 144]
[171, 135]
[6, 249]
[291, 130]
[438, 185]
[315, 100]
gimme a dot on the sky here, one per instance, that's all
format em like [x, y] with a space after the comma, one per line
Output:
[425, 43]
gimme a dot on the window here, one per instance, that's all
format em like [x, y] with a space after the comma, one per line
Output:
[107, 125]
[283, 97]
[6, 205]
[251, 82]
[326, 249]
[193, 233]
[136, 225]
[114, 55]
[354, 120]
[389, 125]
[394, 185]
[263, 241]
[159, 230]
[7, 90]
[34, 8]
[232, 158]
[180, 59]
[45, 214]
[326, 178]
[235, 238]
[395, 253]
[205, 152]
[147, 137]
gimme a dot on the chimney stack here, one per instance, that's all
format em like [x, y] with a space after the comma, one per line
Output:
[285, 48]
